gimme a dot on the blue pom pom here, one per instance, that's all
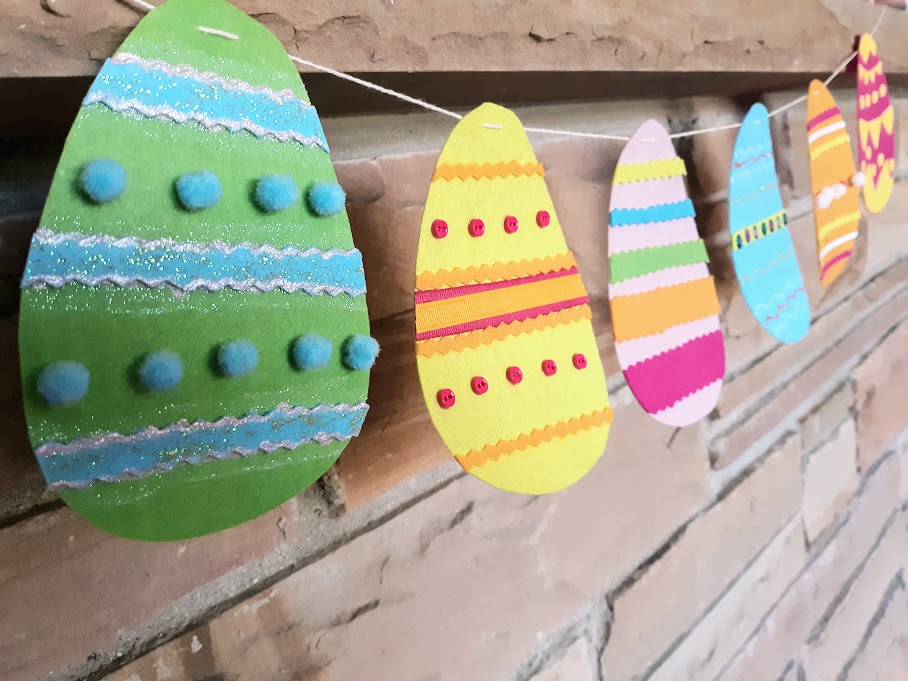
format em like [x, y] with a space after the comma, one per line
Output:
[161, 370]
[103, 180]
[360, 352]
[311, 352]
[238, 358]
[276, 192]
[199, 190]
[327, 198]
[63, 383]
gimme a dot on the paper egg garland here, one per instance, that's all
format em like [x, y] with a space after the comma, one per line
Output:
[507, 358]
[665, 311]
[836, 205]
[876, 127]
[193, 334]
[761, 245]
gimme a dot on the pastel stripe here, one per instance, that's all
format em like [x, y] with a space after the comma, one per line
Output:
[825, 116]
[647, 194]
[832, 225]
[822, 132]
[835, 243]
[649, 170]
[112, 456]
[825, 147]
[624, 239]
[658, 213]
[692, 408]
[184, 98]
[639, 349]
[661, 381]
[670, 276]
[655, 311]
[508, 318]
[457, 291]
[457, 311]
[645, 261]
[59, 259]
[827, 266]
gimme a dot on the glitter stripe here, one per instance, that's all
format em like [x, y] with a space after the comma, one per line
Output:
[112, 456]
[210, 77]
[155, 93]
[59, 259]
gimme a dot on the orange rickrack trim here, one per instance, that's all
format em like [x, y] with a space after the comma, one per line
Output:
[480, 457]
[478, 171]
[473, 339]
[499, 271]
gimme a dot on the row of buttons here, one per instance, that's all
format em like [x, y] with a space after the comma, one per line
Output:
[480, 386]
[477, 227]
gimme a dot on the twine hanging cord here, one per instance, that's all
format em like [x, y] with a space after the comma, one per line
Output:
[542, 131]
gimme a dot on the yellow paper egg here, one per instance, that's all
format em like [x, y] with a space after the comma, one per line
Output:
[507, 358]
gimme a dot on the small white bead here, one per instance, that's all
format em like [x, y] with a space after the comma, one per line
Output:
[858, 179]
[840, 190]
[824, 200]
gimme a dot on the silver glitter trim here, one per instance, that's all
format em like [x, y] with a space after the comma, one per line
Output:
[168, 113]
[187, 71]
[47, 236]
[55, 281]
[184, 426]
[245, 286]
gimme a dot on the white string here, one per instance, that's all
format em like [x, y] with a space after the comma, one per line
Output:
[216, 31]
[377, 88]
[543, 131]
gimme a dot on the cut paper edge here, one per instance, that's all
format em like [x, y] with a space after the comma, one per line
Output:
[498, 271]
[668, 276]
[490, 171]
[629, 173]
[478, 457]
[692, 408]
[488, 336]
[638, 350]
[702, 291]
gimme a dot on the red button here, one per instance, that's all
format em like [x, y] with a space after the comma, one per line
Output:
[543, 218]
[480, 385]
[477, 227]
[549, 367]
[510, 224]
[446, 398]
[579, 361]
[439, 229]
[515, 375]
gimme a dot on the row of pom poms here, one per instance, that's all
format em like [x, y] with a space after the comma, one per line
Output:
[67, 382]
[829, 194]
[103, 180]
[514, 374]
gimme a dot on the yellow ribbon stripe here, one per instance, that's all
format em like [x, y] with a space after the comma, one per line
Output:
[649, 170]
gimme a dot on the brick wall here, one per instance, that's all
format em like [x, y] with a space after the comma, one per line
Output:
[768, 542]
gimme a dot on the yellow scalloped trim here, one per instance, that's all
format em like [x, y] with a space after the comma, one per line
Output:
[491, 171]
[649, 170]
[473, 339]
[479, 457]
[499, 271]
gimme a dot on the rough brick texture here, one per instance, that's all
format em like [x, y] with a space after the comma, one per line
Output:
[766, 542]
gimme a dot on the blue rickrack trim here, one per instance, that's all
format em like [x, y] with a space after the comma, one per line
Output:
[662, 212]
[153, 92]
[111, 457]
[57, 259]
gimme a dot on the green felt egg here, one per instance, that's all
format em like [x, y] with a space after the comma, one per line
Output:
[181, 300]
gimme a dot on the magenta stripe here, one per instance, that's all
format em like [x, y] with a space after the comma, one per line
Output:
[503, 319]
[840, 256]
[825, 116]
[661, 381]
[457, 291]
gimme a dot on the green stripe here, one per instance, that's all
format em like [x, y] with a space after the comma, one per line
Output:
[648, 260]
